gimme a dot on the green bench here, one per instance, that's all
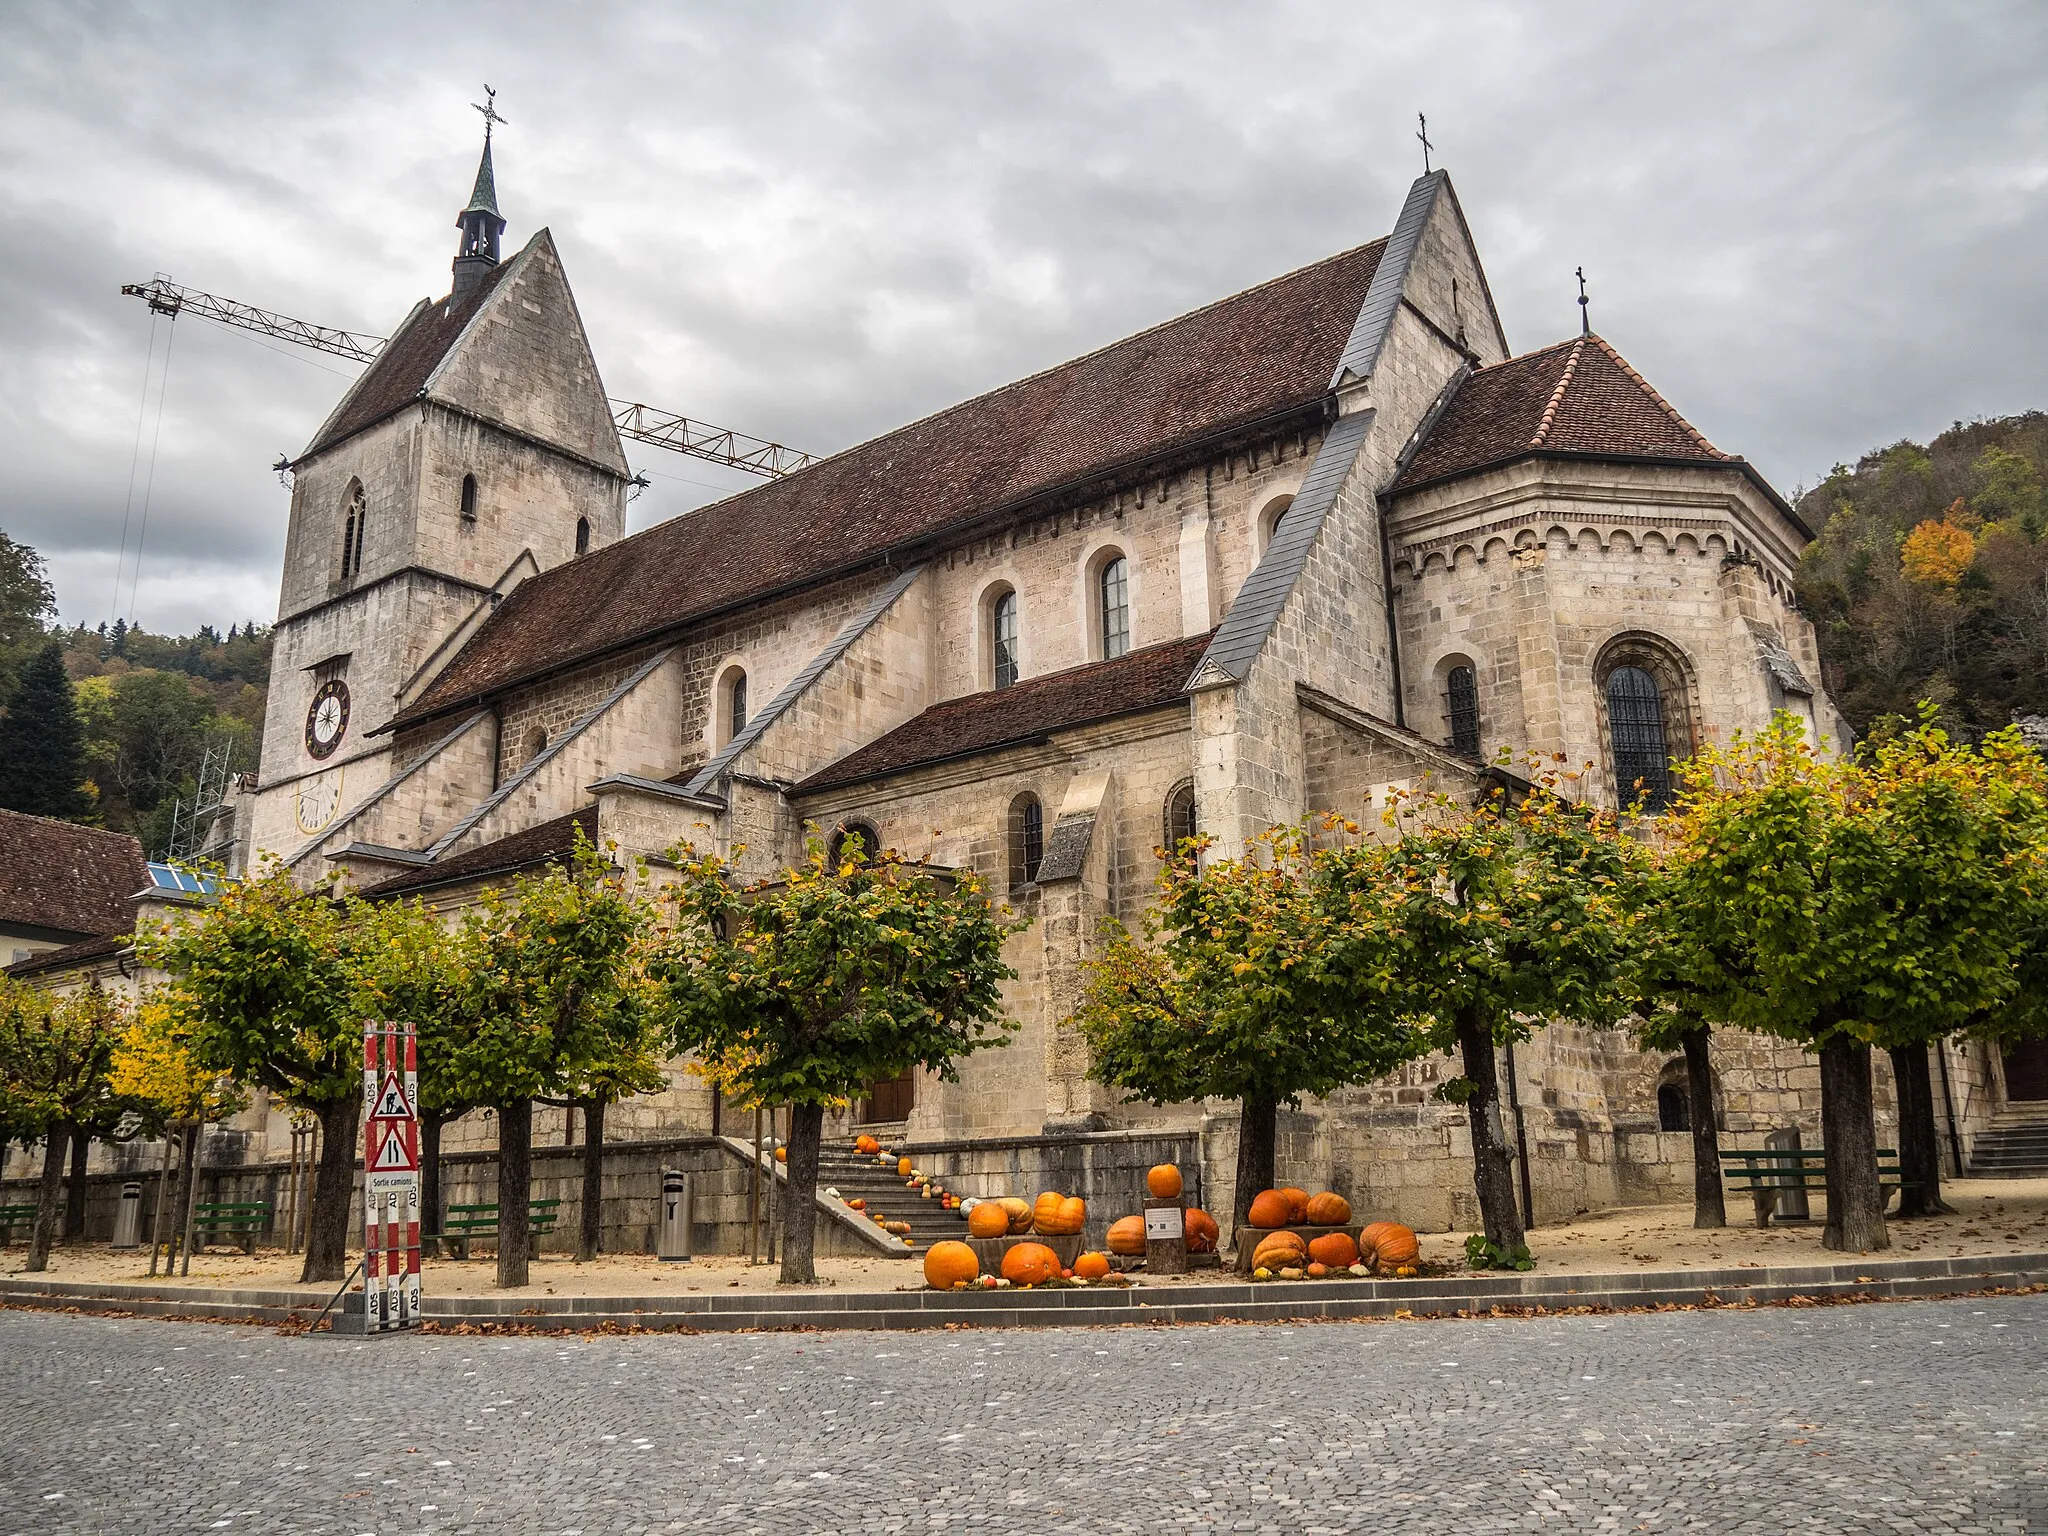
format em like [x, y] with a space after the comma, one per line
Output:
[465, 1223]
[12, 1216]
[237, 1220]
[1762, 1174]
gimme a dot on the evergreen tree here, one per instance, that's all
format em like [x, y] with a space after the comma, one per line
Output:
[42, 748]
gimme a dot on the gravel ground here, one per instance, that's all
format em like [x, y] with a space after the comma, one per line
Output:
[1922, 1416]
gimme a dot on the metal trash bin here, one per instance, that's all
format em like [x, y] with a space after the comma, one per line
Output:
[128, 1218]
[674, 1241]
[1790, 1202]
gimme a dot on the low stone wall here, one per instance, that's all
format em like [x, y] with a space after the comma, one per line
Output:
[632, 1192]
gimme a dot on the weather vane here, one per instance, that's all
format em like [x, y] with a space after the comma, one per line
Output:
[1585, 314]
[490, 112]
[1422, 133]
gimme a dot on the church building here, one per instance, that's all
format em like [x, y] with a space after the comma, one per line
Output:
[1327, 535]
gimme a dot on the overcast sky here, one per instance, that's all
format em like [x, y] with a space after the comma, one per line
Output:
[1815, 228]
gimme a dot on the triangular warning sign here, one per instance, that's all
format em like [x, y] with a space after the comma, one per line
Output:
[391, 1103]
[394, 1155]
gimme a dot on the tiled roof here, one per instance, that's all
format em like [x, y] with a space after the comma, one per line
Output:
[408, 360]
[56, 874]
[548, 843]
[1578, 397]
[1027, 712]
[100, 947]
[1245, 359]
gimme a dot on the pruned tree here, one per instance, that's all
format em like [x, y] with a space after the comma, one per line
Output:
[1240, 989]
[808, 987]
[1487, 920]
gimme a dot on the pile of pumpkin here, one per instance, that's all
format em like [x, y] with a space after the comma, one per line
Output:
[1126, 1236]
[1381, 1247]
[955, 1266]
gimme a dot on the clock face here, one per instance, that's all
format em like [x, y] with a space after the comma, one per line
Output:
[319, 797]
[327, 719]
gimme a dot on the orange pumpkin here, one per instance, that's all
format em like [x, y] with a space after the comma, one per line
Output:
[903, 1167]
[1091, 1266]
[1279, 1250]
[866, 1145]
[1318, 1271]
[1058, 1215]
[1334, 1249]
[1200, 1229]
[1073, 1215]
[1127, 1236]
[988, 1220]
[1163, 1181]
[947, 1264]
[1045, 1212]
[1297, 1203]
[1019, 1212]
[782, 1154]
[1269, 1209]
[1388, 1245]
[1030, 1264]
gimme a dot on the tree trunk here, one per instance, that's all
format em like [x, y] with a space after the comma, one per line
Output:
[1919, 1141]
[1848, 1132]
[515, 1190]
[74, 1192]
[431, 1122]
[800, 1200]
[1493, 1166]
[1257, 1131]
[1708, 1207]
[590, 1217]
[334, 1185]
[48, 1195]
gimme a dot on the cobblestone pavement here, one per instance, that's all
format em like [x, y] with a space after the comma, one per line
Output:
[1924, 1416]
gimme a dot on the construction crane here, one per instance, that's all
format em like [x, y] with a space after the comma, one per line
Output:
[642, 423]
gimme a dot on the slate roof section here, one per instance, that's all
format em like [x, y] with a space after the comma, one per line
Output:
[1577, 398]
[100, 947]
[1255, 357]
[548, 843]
[1026, 713]
[1383, 298]
[71, 879]
[408, 360]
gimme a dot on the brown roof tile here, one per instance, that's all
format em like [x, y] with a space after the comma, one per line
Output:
[56, 874]
[1577, 397]
[1029, 711]
[1263, 352]
[101, 947]
[548, 843]
[408, 360]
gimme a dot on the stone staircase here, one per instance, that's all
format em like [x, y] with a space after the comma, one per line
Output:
[2016, 1146]
[863, 1178]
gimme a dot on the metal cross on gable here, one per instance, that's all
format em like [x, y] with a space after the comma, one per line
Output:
[1585, 313]
[1422, 133]
[490, 111]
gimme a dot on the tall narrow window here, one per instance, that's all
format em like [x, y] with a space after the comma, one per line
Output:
[469, 498]
[1180, 817]
[1635, 721]
[1027, 839]
[352, 529]
[1003, 638]
[1461, 691]
[1115, 593]
[582, 535]
[729, 704]
[739, 704]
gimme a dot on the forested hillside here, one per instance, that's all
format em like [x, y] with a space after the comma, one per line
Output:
[147, 705]
[1930, 575]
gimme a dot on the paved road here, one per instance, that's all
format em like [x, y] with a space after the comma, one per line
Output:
[1912, 1417]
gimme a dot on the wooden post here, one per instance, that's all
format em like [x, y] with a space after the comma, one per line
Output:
[1166, 1240]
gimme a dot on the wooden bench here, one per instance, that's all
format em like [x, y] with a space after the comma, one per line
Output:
[12, 1216]
[238, 1220]
[1762, 1174]
[465, 1223]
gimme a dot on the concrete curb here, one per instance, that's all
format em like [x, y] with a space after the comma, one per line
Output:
[1297, 1301]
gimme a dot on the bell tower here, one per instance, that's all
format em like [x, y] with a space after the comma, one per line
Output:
[477, 449]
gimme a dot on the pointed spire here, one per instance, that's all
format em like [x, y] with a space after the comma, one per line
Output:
[480, 222]
[484, 197]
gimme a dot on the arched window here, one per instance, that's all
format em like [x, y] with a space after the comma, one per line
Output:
[1027, 839]
[731, 704]
[1673, 1113]
[1003, 638]
[469, 498]
[870, 841]
[1113, 606]
[1635, 725]
[1461, 707]
[352, 527]
[582, 535]
[1269, 521]
[1181, 823]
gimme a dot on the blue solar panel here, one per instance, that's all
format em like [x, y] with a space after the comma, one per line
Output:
[166, 877]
